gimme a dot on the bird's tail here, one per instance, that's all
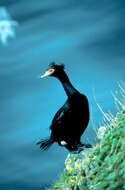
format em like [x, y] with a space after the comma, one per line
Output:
[45, 143]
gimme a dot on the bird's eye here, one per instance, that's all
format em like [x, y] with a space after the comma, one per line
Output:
[51, 70]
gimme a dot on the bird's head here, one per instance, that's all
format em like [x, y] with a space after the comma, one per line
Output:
[54, 70]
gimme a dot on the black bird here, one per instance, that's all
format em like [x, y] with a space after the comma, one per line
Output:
[71, 119]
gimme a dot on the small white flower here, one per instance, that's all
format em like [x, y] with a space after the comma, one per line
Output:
[101, 132]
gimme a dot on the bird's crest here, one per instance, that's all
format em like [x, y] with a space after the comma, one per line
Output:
[54, 65]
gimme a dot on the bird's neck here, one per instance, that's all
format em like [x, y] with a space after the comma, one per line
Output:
[68, 87]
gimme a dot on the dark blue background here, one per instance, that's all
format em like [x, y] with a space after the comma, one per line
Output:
[89, 38]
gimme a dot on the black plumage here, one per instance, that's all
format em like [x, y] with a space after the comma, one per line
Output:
[71, 120]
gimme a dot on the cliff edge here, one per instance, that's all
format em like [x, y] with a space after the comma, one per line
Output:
[103, 166]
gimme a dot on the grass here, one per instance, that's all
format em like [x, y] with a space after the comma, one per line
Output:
[103, 166]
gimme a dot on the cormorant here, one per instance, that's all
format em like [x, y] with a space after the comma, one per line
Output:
[71, 119]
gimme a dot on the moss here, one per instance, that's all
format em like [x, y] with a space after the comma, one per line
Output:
[101, 167]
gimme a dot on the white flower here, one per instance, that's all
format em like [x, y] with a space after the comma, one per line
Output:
[101, 132]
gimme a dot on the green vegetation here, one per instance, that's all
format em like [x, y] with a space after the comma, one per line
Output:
[103, 166]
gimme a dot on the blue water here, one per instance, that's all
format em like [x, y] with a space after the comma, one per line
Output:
[89, 38]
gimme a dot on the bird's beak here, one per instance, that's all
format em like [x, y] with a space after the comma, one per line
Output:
[48, 73]
[45, 74]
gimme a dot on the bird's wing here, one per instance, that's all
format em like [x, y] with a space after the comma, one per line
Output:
[61, 117]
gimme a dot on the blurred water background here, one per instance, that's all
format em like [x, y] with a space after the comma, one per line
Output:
[89, 38]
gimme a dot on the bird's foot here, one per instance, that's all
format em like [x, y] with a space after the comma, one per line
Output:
[80, 147]
[87, 146]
